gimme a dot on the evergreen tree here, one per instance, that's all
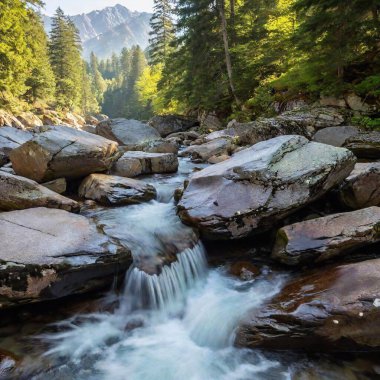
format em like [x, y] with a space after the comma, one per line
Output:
[162, 33]
[66, 61]
[99, 83]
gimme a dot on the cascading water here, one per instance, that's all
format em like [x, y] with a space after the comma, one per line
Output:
[175, 319]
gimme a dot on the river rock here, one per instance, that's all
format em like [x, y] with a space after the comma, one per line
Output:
[320, 239]
[167, 124]
[333, 309]
[335, 136]
[127, 132]
[11, 138]
[364, 144]
[362, 188]
[63, 152]
[18, 193]
[201, 153]
[58, 185]
[156, 146]
[262, 184]
[134, 163]
[30, 120]
[111, 190]
[48, 254]
[9, 120]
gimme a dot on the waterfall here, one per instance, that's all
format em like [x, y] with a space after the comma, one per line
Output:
[166, 291]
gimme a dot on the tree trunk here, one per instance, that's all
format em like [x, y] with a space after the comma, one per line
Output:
[232, 22]
[223, 22]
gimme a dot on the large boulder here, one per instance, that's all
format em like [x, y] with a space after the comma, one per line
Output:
[336, 309]
[156, 146]
[18, 193]
[11, 138]
[201, 153]
[335, 136]
[30, 120]
[362, 188]
[127, 132]
[63, 152]
[111, 190]
[364, 144]
[48, 254]
[320, 239]
[167, 124]
[134, 163]
[260, 185]
[8, 120]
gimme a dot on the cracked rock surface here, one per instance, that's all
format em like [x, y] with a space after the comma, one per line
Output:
[63, 152]
[48, 254]
[320, 239]
[260, 185]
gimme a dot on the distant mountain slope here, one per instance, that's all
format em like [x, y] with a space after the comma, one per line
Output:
[110, 29]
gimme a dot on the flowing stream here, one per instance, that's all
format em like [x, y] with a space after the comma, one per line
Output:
[173, 320]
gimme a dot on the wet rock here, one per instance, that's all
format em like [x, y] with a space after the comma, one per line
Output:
[181, 136]
[320, 239]
[18, 193]
[8, 363]
[262, 184]
[63, 152]
[11, 138]
[48, 254]
[127, 132]
[134, 163]
[58, 185]
[115, 191]
[245, 270]
[364, 144]
[335, 136]
[201, 153]
[336, 309]
[362, 188]
[168, 124]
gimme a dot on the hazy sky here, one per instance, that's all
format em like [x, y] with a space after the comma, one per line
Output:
[73, 7]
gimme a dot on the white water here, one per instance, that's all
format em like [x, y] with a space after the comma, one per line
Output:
[176, 325]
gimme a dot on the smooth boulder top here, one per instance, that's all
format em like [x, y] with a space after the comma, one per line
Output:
[43, 236]
[260, 185]
[18, 193]
[11, 138]
[333, 310]
[320, 239]
[112, 190]
[335, 136]
[60, 151]
[127, 132]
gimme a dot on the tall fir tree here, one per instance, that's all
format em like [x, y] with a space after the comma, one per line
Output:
[99, 84]
[162, 33]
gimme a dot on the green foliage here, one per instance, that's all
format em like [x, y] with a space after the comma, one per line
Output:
[369, 86]
[366, 122]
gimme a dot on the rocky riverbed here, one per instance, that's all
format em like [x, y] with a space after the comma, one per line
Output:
[260, 237]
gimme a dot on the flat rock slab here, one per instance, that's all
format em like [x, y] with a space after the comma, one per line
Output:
[201, 153]
[112, 190]
[320, 239]
[63, 152]
[18, 193]
[127, 132]
[262, 184]
[336, 309]
[135, 163]
[48, 254]
[362, 188]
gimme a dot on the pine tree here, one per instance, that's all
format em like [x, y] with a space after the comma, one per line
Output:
[99, 83]
[66, 61]
[162, 33]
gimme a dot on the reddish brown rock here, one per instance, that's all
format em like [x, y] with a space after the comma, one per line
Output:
[320, 239]
[337, 308]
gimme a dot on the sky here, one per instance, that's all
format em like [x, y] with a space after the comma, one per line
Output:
[73, 7]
